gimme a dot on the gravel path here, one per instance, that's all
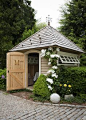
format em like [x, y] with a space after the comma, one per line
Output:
[15, 108]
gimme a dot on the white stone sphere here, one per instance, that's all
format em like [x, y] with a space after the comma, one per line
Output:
[54, 98]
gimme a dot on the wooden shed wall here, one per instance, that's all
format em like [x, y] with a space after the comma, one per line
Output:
[44, 66]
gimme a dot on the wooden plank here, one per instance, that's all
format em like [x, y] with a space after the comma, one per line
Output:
[45, 73]
[44, 60]
[8, 68]
[16, 78]
[45, 67]
[15, 88]
[19, 71]
[24, 70]
[16, 55]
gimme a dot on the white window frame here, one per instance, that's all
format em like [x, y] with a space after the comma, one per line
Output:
[68, 58]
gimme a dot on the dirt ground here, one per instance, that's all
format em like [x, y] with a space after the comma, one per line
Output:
[26, 95]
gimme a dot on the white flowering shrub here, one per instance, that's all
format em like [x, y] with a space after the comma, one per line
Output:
[49, 80]
[52, 76]
[43, 52]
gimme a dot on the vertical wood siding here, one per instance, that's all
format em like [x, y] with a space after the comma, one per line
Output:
[44, 66]
[15, 71]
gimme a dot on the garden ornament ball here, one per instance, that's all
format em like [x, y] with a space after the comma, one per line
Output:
[54, 98]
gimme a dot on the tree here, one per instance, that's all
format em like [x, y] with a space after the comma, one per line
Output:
[73, 22]
[15, 16]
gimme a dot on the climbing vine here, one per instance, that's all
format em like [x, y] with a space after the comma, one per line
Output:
[52, 75]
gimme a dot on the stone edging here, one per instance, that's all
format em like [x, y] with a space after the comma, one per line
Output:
[61, 105]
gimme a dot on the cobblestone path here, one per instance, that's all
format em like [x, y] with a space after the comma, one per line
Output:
[15, 108]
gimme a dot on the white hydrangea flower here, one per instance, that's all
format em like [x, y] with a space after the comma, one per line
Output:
[51, 71]
[57, 56]
[49, 87]
[49, 63]
[43, 52]
[49, 59]
[54, 75]
[47, 53]
[57, 49]
[49, 80]
[50, 48]
[54, 55]
[55, 67]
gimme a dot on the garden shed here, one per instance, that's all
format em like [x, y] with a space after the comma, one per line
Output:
[25, 64]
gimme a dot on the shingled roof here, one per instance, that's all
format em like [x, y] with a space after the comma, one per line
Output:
[47, 36]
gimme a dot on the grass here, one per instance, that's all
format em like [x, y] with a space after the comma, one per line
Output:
[5, 93]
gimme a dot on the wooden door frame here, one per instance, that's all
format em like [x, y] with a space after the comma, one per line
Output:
[26, 64]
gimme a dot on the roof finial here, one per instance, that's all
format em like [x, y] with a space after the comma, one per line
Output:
[48, 19]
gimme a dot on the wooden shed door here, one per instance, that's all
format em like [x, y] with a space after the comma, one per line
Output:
[15, 70]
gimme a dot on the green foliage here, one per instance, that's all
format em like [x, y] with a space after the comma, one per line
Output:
[83, 96]
[3, 79]
[20, 90]
[64, 88]
[40, 87]
[73, 23]
[15, 16]
[38, 98]
[76, 99]
[83, 60]
[76, 77]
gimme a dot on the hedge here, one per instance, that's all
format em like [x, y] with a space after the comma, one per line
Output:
[76, 76]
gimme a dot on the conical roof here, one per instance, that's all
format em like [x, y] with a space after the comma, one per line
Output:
[47, 36]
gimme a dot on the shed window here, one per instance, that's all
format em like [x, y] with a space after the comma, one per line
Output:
[68, 59]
